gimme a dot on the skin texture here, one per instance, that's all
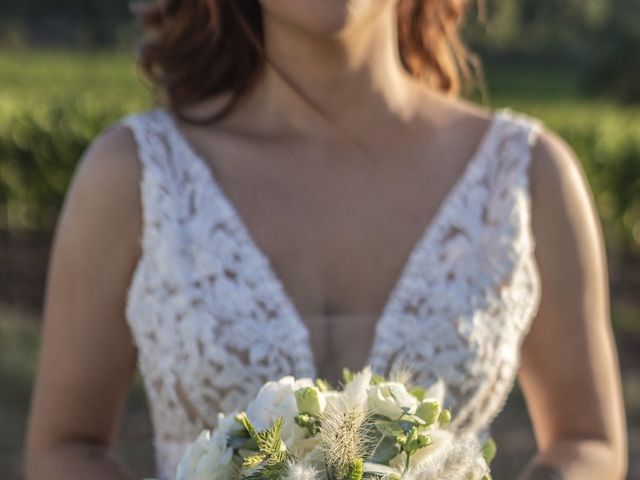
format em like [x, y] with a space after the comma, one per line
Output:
[569, 372]
[87, 359]
[352, 169]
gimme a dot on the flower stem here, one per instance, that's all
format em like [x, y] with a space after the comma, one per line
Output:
[407, 464]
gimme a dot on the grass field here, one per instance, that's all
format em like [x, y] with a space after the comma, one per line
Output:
[48, 76]
[99, 80]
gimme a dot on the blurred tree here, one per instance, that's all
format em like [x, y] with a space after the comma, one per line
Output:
[550, 28]
[86, 22]
[615, 68]
[566, 30]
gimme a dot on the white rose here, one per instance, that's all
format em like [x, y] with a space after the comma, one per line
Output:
[309, 448]
[390, 399]
[227, 426]
[277, 399]
[208, 458]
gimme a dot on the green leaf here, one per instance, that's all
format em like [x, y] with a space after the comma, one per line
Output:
[246, 423]
[252, 460]
[270, 443]
[385, 450]
[429, 411]
[310, 422]
[269, 472]
[347, 375]
[489, 450]
[356, 469]
[419, 392]
[416, 441]
[445, 418]
[388, 428]
[271, 448]
[323, 385]
[394, 428]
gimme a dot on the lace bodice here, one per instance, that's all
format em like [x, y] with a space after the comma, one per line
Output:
[212, 321]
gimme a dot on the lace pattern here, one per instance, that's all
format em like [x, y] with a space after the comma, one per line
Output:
[212, 322]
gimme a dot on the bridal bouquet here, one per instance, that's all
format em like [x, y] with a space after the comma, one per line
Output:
[305, 430]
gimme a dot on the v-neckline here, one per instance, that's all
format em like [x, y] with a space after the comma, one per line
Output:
[422, 243]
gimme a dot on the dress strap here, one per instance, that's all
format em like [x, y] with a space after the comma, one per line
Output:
[158, 171]
[511, 152]
[150, 132]
[519, 136]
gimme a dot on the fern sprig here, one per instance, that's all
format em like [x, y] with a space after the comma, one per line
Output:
[269, 463]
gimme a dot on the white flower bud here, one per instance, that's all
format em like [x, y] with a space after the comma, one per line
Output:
[429, 411]
[310, 400]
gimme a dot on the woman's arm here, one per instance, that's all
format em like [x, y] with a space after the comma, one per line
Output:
[87, 360]
[569, 372]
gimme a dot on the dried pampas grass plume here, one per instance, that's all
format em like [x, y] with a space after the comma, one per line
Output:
[301, 471]
[403, 373]
[346, 430]
[355, 392]
[450, 457]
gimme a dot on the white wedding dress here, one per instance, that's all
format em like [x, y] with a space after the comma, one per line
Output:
[212, 322]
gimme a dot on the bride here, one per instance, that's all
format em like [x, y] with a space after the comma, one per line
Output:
[309, 194]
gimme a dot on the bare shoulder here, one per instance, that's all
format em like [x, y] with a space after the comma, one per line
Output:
[450, 112]
[110, 162]
[554, 163]
[560, 191]
[107, 178]
[102, 210]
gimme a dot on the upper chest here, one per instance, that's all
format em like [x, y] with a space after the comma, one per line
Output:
[338, 225]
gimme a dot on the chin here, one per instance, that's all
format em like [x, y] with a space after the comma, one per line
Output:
[322, 17]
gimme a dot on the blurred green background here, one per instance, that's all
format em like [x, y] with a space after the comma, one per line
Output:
[67, 72]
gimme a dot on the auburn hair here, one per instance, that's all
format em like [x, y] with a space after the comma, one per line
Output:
[192, 50]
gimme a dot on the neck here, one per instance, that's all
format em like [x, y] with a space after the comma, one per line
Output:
[313, 81]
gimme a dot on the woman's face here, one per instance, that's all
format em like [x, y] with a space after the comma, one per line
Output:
[323, 16]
